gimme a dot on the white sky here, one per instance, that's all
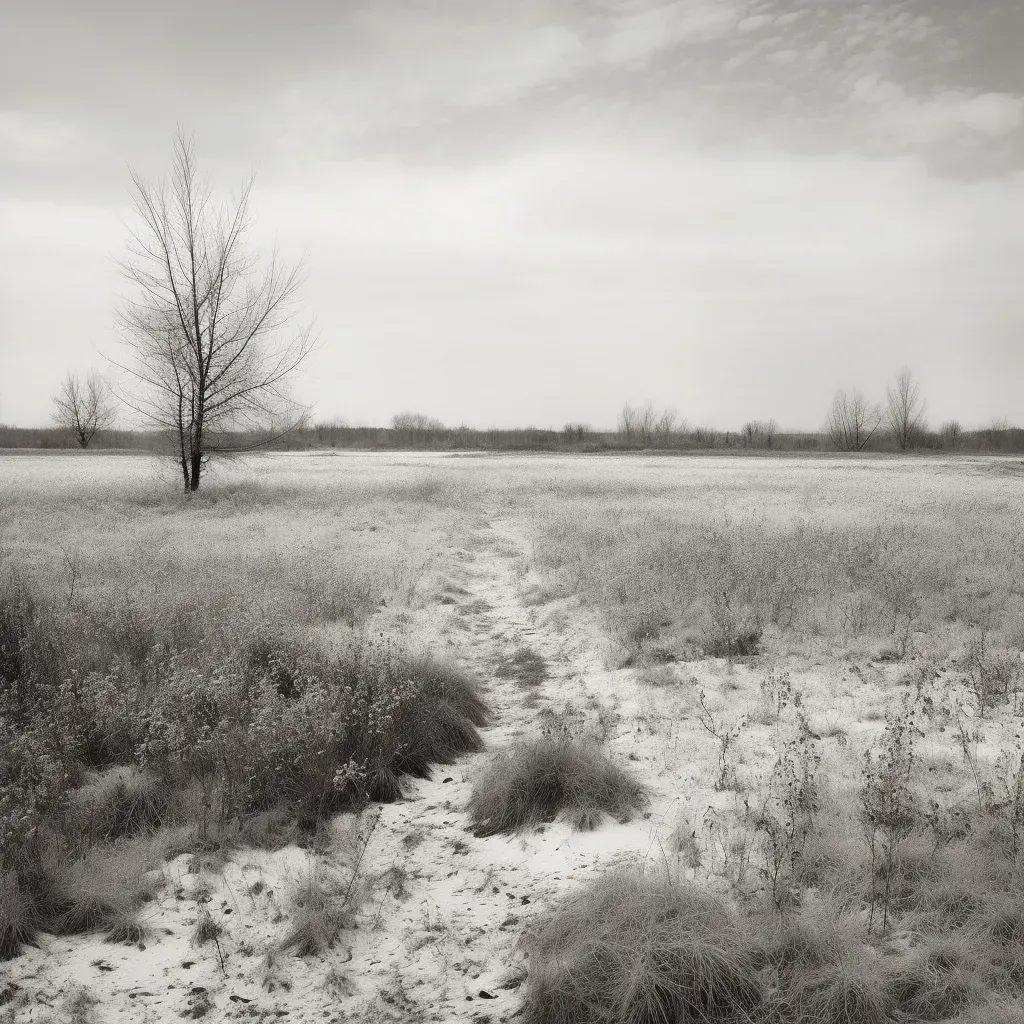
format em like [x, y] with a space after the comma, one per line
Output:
[531, 213]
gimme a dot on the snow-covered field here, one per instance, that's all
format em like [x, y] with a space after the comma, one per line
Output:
[856, 581]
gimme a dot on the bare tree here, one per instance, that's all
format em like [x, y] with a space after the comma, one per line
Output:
[904, 410]
[751, 433]
[628, 424]
[852, 421]
[667, 425]
[83, 407]
[706, 437]
[415, 427]
[646, 423]
[210, 332]
[952, 434]
[769, 428]
[415, 421]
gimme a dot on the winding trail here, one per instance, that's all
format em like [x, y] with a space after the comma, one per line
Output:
[454, 939]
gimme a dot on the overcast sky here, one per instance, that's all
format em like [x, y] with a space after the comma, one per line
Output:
[531, 212]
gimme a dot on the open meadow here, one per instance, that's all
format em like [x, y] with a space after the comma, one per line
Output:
[405, 737]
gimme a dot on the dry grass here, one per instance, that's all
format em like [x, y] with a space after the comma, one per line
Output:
[641, 946]
[324, 903]
[19, 919]
[103, 891]
[916, 562]
[119, 801]
[543, 779]
[708, 553]
[206, 928]
[630, 947]
[525, 667]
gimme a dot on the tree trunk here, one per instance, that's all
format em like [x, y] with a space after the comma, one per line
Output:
[197, 463]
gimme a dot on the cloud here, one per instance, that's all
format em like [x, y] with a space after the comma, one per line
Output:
[635, 38]
[754, 22]
[945, 116]
[29, 138]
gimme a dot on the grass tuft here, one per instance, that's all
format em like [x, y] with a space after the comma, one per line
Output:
[324, 904]
[19, 923]
[101, 891]
[526, 667]
[554, 775]
[206, 929]
[120, 801]
[631, 947]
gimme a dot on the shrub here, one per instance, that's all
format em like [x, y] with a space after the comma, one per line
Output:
[629, 947]
[537, 781]
[355, 727]
[33, 781]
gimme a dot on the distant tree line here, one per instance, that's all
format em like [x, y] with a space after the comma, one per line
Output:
[84, 416]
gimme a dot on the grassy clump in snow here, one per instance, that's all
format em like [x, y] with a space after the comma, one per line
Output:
[631, 947]
[555, 775]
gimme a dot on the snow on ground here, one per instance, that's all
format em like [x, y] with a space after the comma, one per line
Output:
[437, 936]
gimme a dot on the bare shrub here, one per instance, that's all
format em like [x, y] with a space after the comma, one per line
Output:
[852, 421]
[888, 807]
[539, 780]
[786, 817]
[726, 734]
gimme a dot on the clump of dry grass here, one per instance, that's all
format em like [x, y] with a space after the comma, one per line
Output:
[538, 780]
[19, 919]
[324, 903]
[633, 947]
[103, 891]
[526, 667]
[119, 801]
[206, 929]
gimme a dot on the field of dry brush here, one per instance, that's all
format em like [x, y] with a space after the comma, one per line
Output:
[405, 737]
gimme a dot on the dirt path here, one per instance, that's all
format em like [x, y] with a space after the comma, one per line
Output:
[437, 937]
[454, 937]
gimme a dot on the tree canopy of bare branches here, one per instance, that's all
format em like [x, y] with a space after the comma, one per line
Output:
[852, 421]
[210, 328]
[83, 407]
[759, 433]
[904, 410]
[415, 421]
[952, 434]
[576, 431]
[644, 425]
